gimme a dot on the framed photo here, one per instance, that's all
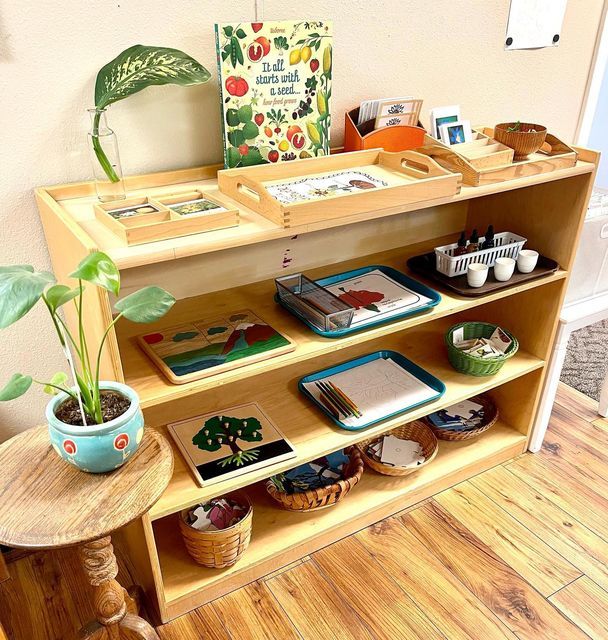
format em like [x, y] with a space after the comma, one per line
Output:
[443, 115]
[456, 132]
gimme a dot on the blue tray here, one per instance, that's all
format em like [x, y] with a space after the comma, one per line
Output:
[402, 361]
[395, 275]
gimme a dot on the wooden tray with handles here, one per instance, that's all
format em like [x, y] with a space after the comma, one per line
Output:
[389, 180]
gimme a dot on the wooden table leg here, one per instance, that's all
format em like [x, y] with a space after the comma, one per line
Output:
[113, 614]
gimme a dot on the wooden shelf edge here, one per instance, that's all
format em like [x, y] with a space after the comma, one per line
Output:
[368, 504]
[335, 438]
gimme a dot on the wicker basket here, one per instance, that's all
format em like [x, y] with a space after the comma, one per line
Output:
[474, 365]
[222, 548]
[490, 416]
[325, 496]
[417, 431]
[527, 139]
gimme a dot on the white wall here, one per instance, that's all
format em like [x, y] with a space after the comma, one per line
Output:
[443, 51]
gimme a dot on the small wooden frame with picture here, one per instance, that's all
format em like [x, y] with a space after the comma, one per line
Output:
[142, 219]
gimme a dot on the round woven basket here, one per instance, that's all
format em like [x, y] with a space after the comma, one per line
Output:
[529, 138]
[417, 431]
[490, 416]
[474, 365]
[324, 496]
[221, 548]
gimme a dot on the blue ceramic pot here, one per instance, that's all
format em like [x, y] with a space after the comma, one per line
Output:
[101, 447]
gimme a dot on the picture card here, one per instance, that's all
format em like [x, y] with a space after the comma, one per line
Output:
[401, 453]
[443, 115]
[198, 206]
[374, 295]
[323, 186]
[456, 132]
[204, 347]
[369, 109]
[134, 210]
[406, 112]
[224, 444]
[467, 414]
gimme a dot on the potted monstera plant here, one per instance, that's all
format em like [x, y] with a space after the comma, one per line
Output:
[94, 424]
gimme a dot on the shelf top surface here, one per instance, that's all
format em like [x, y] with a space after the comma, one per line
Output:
[153, 388]
[76, 207]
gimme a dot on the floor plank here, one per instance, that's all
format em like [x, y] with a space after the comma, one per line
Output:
[496, 584]
[586, 604]
[539, 564]
[566, 490]
[198, 624]
[585, 550]
[372, 593]
[455, 611]
[315, 607]
[252, 613]
[577, 402]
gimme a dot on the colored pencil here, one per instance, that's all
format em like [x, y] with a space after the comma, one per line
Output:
[327, 399]
[329, 407]
[337, 400]
[346, 399]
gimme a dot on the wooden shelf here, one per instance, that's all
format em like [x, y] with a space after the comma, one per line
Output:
[154, 389]
[279, 537]
[75, 204]
[312, 434]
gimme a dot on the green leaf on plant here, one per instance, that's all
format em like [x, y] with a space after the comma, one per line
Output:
[228, 31]
[245, 114]
[99, 269]
[232, 117]
[240, 33]
[59, 294]
[142, 66]
[250, 130]
[15, 387]
[20, 288]
[253, 157]
[146, 305]
[236, 137]
[58, 380]
[234, 157]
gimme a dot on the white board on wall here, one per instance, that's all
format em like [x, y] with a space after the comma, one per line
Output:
[535, 23]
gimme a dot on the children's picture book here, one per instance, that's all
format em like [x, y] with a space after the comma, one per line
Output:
[275, 82]
[374, 295]
[323, 186]
[220, 445]
[208, 346]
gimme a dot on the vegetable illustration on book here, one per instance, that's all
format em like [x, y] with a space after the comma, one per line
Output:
[230, 442]
[208, 346]
[275, 81]
[226, 431]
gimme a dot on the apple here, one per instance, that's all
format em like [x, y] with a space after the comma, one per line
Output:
[236, 86]
[298, 140]
[292, 131]
[273, 155]
[259, 118]
[255, 52]
[265, 44]
[314, 65]
[244, 149]
[256, 26]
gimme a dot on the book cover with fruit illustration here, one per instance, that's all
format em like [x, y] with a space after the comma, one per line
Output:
[275, 80]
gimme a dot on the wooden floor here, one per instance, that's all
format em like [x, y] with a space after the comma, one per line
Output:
[518, 552]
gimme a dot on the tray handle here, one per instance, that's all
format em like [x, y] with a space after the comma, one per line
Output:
[248, 191]
[414, 164]
[553, 146]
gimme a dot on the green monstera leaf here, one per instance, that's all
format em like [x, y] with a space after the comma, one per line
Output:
[146, 305]
[141, 66]
[98, 268]
[20, 288]
[15, 387]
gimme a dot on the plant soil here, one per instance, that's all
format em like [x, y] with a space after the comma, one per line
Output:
[113, 405]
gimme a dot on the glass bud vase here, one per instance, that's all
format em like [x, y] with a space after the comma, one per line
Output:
[105, 159]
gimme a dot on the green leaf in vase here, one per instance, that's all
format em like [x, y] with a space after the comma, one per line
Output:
[142, 66]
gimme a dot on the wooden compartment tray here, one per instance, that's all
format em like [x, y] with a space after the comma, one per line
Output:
[140, 219]
[317, 189]
[425, 266]
[481, 161]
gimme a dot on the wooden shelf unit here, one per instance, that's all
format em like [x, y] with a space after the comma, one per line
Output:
[234, 268]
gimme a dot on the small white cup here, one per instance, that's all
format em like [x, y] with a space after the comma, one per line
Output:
[477, 274]
[503, 269]
[526, 260]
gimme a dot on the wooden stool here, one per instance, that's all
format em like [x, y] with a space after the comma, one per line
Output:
[46, 503]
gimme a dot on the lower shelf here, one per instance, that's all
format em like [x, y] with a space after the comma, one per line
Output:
[280, 537]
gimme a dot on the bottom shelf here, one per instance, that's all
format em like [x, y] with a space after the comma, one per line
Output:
[280, 537]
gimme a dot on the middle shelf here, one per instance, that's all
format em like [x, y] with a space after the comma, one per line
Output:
[154, 389]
